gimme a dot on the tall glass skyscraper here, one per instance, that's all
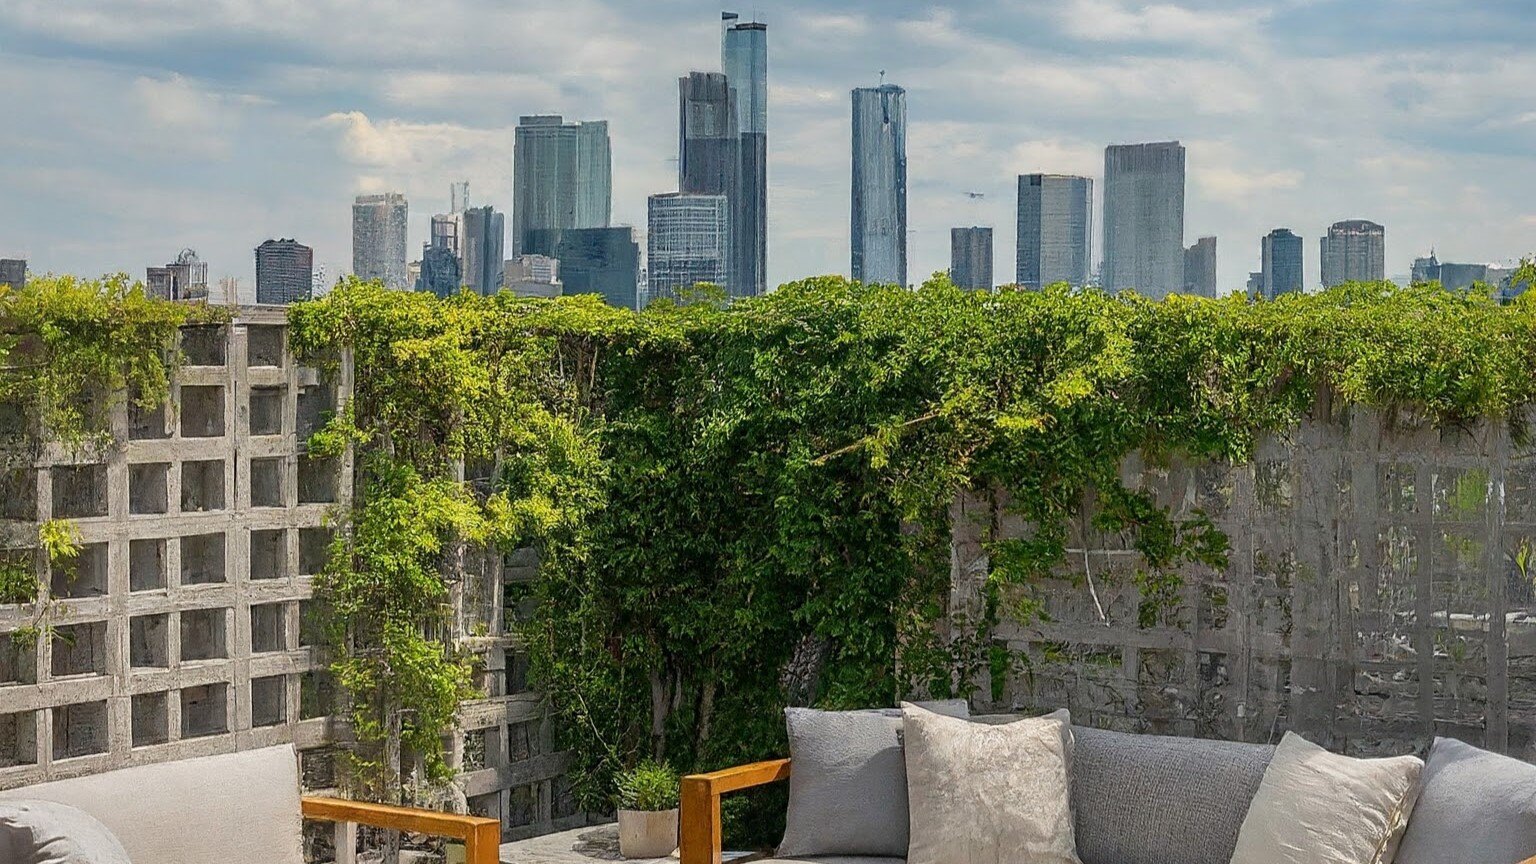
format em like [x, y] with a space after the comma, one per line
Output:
[1281, 264]
[485, 233]
[688, 241]
[562, 176]
[284, 272]
[1055, 230]
[1354, 251]
[708, 144]
[878, 226]
[744, 57]
[1144, 218]
[970, 258]
[378, 238]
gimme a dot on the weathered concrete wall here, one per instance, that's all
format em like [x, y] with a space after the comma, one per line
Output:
[1378, 594]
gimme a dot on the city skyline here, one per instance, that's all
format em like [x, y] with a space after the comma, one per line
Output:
[268, 132]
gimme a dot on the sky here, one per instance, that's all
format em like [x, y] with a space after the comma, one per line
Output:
[135, 128]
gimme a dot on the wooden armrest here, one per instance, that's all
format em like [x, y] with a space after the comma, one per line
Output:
[699, 821]
[481, 836]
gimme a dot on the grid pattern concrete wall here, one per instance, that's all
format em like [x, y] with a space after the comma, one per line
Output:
[1379, 593]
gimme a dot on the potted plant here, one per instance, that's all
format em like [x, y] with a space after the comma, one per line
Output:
[647, 799]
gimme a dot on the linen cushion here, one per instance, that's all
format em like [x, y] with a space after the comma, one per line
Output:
[1476, 807]
[985, 794]
[1150, 799]
[1316, 807]
[46, 832]
[848, 789]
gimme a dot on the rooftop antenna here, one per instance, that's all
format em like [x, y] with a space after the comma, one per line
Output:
[882, 77]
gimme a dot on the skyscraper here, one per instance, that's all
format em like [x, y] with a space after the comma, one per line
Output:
[1144, 218]
[1353, 250]
[1055, 230]
[688, 241]
[744, 57]
[13, 272]
[285, 272]
[1425, 269]
[1200, 268]
[970, 258]
[562, 175]
[1281, 260]
[440, 271]
[484, 238]
[378, 238]
[186, 278]
[879, 219]
[602, 261]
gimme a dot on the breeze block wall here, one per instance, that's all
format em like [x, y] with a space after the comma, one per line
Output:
[1379, 592]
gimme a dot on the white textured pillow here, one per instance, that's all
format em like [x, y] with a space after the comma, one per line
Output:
[1316, 807]
[46, 832]
[985, 794]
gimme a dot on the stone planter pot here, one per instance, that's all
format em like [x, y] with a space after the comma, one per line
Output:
[647, 833]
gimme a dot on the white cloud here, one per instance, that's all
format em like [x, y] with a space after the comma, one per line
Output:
[1120, 21]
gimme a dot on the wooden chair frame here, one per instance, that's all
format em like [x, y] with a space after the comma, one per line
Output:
[699, 819]
[481, 836]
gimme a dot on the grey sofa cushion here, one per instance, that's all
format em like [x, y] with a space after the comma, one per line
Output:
[1149, 799]
[848, 787]
[47, 832]
[1475, 807]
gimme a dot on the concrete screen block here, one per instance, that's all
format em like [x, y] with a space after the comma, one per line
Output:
[202, 411]
[79, 729]
[149, 641]
[269, 701]
[146, 565]
[269, 554]
[269, 628]
[266, 411]
[202, 559]
[204, 710]
[18, 494]
[147, 423]
[79, 491]
[18, 738]
[267, 482]
[147, 485]
[314, 550]
[318, 480]
[202, 485]
[264, 346]
[150, 721]
[204, 634]
[204, 345]
[84, 575]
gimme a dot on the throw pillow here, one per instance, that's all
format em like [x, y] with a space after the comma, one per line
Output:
[45, 832]
[848, 786]
[987, 794]
[1477, 807]
[1316, 807]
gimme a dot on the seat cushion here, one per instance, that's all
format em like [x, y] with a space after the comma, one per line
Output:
[1476, 807]
[47, 832]
[1149, 799]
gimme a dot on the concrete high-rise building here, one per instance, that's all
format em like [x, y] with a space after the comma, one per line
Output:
[378, 238]
[878, 226]
[532, 276]
[285, 272]
[709, 145]
[13, 272]
[688, 241]
[440, 271]
[1353, 250]
[970, 258]
[562, 176]
[1425, 269]
[1144, 218]
[1281, 260]
[1055, 230]
[744, 57]
[1200, 268]
[602, 261]
[484, 241]
[186, 278]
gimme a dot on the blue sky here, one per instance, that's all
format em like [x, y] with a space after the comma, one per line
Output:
[134, 129]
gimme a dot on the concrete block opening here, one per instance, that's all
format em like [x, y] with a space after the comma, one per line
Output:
[83, 576]
[151, 724]
[204, 710]
[18, 660]
[79, 649]
[311, 624]
[318, 480]
[79, 491]
[267, 482]
[269, 554]
[204, 635]
[317, 694]
[18, 739]
[202, 411]
[202, 559]
[522, 806]
[522, 741]
[147, 485]
[269, 631]
[314, 548]
[474, 748]
[202, 485]
[149, 642]
[147, 423]
[14, 422]
[264, 345]
[316, 404]
[146, 565]
[269, 701]
[18, 494]
[79, 729]
[266, 414]
[204, 345]
[317, 768]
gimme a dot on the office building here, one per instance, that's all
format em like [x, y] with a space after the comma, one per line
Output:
[532, 276]
[970, 258]
[1144, 218]
[878, 225]
[285, 272]
[1353, 251]
[378, 238]
[604, 261]
[1281, 262]
[562, 176]
[1055, 230]
[13, 272]
[688, 242]
[1425, 269]
[440, 271]
[186, 278]
[1255, 284]
[1200, 268]
[708, 143]
[744, 57]
[482, 256]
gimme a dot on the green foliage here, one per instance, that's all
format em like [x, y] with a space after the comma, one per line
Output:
[649, 785]
[744, 506]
